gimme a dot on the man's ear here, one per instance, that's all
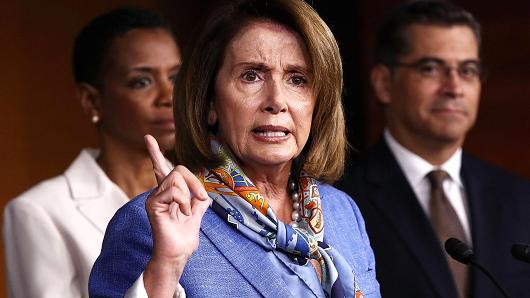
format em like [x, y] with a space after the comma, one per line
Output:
[381, 78]
[90, 101]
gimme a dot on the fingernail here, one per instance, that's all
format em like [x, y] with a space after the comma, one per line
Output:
[204, 195]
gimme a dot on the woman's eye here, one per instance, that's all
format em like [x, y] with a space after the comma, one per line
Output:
[250, 76]
[139, 83]
[173, 78]
[298, 80]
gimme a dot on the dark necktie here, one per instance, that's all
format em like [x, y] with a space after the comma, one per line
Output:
[446, 225]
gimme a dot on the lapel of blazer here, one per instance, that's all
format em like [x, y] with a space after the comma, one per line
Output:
[96, 196]
[393, 196]
[483, 208]
[249, 259]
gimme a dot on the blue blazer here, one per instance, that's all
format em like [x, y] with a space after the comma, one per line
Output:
[226, 264]
[404, 241]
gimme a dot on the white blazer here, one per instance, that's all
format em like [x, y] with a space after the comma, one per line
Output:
[53, 232]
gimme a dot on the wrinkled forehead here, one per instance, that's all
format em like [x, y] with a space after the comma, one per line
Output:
[263, 40]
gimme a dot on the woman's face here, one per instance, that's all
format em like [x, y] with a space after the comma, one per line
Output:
[264, 99]
[137, 88]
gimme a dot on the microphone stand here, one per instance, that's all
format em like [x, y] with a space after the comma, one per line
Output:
[459, 251]
[490, 276]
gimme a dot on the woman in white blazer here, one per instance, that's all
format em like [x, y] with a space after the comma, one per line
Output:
[125, 63]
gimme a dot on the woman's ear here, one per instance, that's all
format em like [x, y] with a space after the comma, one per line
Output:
[381, 82]
[90, 101]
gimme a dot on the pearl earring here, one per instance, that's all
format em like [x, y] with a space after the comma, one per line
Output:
[95, 119]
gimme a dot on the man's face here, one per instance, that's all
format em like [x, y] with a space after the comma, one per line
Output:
[432, 94]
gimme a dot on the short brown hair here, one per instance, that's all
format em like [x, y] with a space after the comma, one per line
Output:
[392, 40]
[194, 88]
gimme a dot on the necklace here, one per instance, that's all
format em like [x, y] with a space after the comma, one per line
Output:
[296, 217]
[295, 197]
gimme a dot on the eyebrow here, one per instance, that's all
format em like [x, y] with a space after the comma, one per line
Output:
[441, 61]
[255, 65]
[150, 69]
[264, 67]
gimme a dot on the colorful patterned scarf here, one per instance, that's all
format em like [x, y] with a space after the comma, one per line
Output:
[237, 200]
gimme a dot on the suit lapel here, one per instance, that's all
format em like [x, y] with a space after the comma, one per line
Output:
[484, 232]
[96, 196]
[100, 211]
[249, 259]
[393, 196]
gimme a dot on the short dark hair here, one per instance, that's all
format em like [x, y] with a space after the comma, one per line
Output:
[392, 41]
[194, 88]
[94, 41]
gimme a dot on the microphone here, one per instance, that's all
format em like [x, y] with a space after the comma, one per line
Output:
[521, 252]
[462, 253]
[459, 251]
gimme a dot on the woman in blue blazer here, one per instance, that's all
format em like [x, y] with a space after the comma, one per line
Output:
[248, 212]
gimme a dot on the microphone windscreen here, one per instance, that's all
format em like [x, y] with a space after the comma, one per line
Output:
[521, 252]
[458, 250]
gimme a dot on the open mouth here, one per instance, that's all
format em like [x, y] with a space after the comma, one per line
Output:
[270, 134]
[271, 131]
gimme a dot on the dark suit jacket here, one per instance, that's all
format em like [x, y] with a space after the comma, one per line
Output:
[409, 260]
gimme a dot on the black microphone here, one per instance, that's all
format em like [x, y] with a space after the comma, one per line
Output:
[459, 251]
[462, 253]
[521, 252]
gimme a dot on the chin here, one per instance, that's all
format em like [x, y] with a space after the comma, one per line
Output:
[453, 131]
[451, 136]
[273, 158]
[166, 142]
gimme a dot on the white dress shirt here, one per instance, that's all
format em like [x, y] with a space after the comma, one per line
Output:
[416, 170]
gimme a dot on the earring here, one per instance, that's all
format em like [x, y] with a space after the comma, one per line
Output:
[95, 119]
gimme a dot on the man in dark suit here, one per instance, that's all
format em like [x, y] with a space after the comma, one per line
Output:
[417, 188]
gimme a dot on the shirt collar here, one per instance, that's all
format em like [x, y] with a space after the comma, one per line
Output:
[416, 168]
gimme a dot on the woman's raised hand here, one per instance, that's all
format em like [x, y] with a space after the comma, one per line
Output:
[175, 209]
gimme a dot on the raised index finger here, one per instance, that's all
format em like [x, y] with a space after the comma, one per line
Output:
[160, 166]
[192, 182]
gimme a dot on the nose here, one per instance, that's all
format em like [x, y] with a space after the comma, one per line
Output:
[275, 98]
[452, 84]
[165, 94]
